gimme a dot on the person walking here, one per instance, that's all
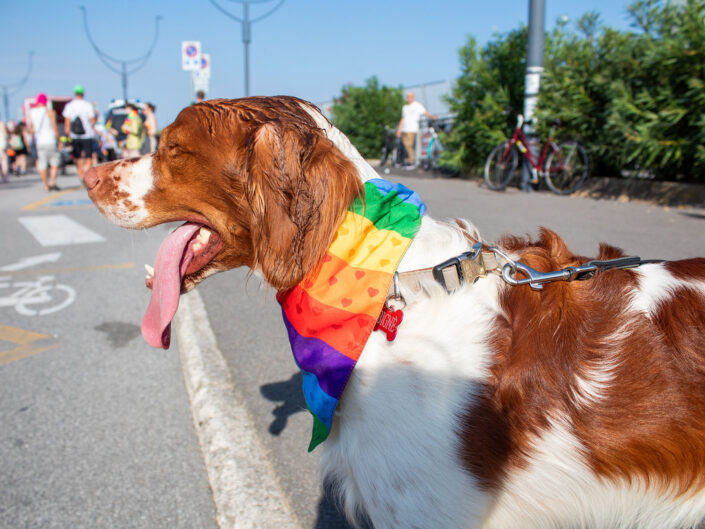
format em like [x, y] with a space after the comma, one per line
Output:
[78, 124]
[150, 126]
[42, 124]
[18, 145]
[409, 125]
[4, 145]
[134, 128]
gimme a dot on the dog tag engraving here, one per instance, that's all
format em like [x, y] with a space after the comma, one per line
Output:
[389, 321]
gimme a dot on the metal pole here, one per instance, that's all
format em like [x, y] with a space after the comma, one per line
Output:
[126, 66]
[246, 42]
[6, 102]
[124, 82]
[246, 25]
[532, 81]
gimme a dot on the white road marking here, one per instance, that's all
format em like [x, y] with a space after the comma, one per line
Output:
[245, 489]
[58, 230]
[28, 262]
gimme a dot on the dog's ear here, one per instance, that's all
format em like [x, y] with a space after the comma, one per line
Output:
[299, 188]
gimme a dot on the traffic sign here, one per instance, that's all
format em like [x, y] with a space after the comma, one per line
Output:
[190, 55]
[205, 64]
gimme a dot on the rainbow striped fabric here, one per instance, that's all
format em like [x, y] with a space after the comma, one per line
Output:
[330, 315]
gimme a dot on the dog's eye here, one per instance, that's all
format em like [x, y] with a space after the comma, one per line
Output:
[174, 148]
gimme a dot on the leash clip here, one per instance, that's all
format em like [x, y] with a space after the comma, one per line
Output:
[535, 279]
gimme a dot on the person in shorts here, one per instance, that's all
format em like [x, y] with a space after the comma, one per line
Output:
[42, 124]
[409, 125]
[79, 120]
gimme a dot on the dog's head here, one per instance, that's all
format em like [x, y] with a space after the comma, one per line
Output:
[256, 180]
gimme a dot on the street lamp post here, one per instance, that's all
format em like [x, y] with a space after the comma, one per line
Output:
[246, 24]
[13, 88]
[126, 66]
[534, 69]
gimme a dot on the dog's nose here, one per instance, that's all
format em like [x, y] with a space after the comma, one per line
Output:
[91, 178]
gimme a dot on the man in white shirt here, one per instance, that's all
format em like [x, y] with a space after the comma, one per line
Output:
[42, 125]
[78, 123]
[409, 124]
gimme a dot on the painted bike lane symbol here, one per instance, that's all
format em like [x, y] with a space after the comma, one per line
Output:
[36, 298]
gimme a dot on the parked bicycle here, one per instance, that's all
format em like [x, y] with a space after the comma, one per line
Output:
[563, 165]
[392, 150]
[434, 149]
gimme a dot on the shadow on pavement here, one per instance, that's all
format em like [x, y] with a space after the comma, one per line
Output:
[288, 393]
[290, 398]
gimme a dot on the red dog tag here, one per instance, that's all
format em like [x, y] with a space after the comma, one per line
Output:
[388, 322]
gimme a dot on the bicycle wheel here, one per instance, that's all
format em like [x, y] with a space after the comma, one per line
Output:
[383, 157]
[500, 166]
[566, 167]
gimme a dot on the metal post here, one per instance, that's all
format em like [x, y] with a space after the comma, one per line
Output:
[124, 82]
[127, 66]
[6, 103]
[246, 25]
[246, 42]
[534, 69]
[12, 88]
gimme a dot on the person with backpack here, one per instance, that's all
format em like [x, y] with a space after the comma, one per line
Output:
[79, 120]
[42, 124]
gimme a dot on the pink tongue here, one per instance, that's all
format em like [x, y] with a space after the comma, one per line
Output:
[170, 266]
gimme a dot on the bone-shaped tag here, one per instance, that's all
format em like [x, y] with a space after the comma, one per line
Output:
[388, 322]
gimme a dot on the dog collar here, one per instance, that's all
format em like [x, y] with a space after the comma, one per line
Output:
[330, 315]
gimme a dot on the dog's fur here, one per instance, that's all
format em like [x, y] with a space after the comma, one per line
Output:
[582, 405]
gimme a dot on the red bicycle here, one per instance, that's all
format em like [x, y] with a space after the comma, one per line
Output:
[563, 165]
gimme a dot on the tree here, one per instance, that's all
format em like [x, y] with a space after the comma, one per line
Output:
[636, 100]
[486, 98]
[363, 113]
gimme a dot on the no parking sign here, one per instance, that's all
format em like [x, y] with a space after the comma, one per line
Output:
[202, 76]
[191, 55]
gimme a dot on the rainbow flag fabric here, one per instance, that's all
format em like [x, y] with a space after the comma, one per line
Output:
[330, 315]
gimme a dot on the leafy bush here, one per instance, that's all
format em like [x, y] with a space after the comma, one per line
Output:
[486, 98]
[635, 98]
[362, 113]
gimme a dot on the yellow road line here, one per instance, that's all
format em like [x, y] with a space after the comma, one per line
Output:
[49, 198]
[25, 341]
[64, 208]
[53, 271]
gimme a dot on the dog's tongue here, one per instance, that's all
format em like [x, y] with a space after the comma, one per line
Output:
[170, 266]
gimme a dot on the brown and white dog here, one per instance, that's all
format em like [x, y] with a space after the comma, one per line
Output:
[581, 405]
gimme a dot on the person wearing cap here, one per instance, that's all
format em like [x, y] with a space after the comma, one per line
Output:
[42, 124]
[79, 121]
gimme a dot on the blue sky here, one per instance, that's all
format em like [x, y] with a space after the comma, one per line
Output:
[307, 48]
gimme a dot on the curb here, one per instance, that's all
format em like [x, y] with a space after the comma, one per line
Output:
[245, 489]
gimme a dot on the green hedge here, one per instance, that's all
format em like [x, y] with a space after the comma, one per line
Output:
[635, 98]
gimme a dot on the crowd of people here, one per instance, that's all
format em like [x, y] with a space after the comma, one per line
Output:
[37, 140]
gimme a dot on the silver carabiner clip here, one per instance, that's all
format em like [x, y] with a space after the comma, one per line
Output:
[534, 278]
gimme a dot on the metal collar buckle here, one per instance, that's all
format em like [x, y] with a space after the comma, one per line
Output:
[469, 266]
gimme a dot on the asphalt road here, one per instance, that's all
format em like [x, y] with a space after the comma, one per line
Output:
[96, 426]
[247, 320]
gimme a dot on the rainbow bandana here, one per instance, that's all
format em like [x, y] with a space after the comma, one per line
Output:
[331, 314]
